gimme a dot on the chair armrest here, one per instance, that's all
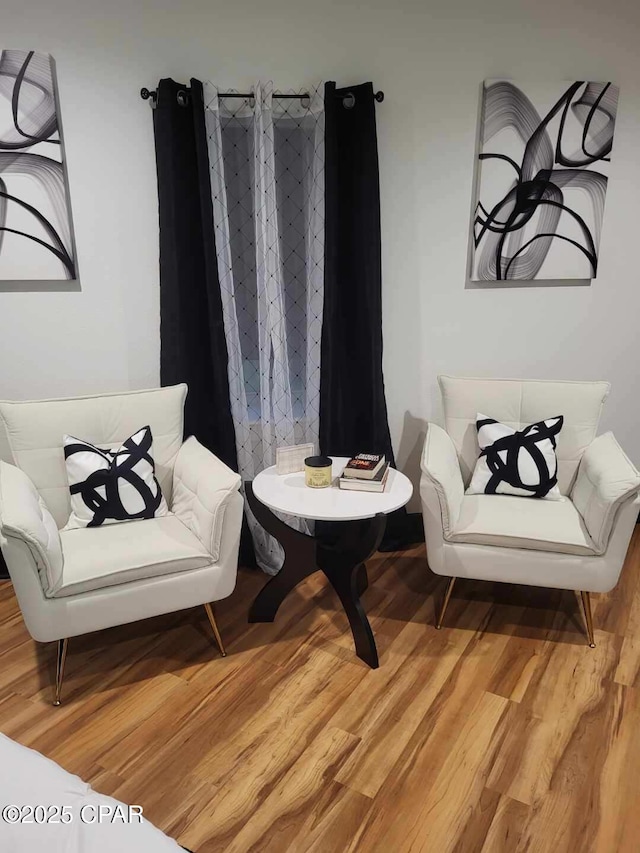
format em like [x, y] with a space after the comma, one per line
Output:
[440, 466]
[24, 515]
[202, 485]
[606, 478]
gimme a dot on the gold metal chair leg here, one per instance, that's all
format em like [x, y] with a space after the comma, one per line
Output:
[585, 600]
[214, 625]
[60, 662]
[445, 603]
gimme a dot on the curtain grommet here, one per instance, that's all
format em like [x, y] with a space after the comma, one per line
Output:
[349, 101]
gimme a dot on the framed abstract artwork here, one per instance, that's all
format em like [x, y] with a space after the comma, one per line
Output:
[36, 241]
[544, 158]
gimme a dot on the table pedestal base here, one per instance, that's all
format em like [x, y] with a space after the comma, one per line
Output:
[342, 562]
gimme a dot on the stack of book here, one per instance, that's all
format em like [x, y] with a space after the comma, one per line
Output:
[366, 472]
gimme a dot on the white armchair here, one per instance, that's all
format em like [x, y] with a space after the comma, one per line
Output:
[578, 543]
[72, 582]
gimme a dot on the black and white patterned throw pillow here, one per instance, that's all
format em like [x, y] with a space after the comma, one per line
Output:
[517, 462]
[108, 486]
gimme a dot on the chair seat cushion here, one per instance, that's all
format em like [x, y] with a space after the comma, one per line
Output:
[511, 522]
[97, 557]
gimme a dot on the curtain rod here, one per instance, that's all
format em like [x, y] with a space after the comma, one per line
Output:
[182, 96]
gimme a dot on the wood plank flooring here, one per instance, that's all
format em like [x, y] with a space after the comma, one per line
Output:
[502, 733]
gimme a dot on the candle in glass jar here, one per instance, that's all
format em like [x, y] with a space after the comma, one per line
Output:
[317, 472]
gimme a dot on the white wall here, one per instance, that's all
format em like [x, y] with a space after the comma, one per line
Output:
[430, 58]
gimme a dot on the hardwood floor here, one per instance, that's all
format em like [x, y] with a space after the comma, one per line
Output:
[502, 733]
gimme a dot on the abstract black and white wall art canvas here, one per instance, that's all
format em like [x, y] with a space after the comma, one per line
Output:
[545, 153]
[35, 223]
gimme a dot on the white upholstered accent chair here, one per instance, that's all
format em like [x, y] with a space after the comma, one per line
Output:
[578, 543]
[71, 582]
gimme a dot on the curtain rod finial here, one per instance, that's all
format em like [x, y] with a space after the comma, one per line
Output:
[146, 94]
[379, 96]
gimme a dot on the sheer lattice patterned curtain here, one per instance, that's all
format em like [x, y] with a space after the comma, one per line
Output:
[266, 157]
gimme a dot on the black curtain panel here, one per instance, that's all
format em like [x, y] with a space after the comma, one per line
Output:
[4, 572]
[193, 346]
[353, 409]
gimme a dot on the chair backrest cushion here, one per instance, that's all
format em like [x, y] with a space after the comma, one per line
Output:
[517, 403]
[31, 435]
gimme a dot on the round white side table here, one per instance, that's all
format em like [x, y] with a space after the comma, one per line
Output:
[363, 519]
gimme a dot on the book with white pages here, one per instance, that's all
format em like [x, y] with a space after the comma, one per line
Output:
[377, 484]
